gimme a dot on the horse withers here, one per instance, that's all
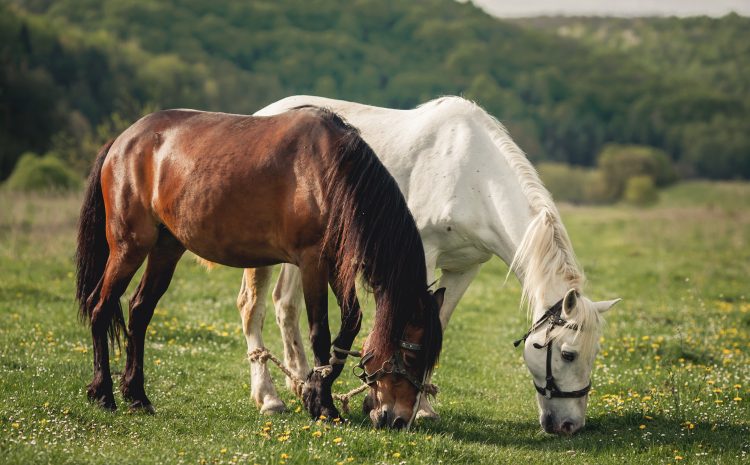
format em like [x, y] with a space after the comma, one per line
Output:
[302, 188]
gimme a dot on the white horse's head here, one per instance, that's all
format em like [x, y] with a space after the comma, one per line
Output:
[559, 352]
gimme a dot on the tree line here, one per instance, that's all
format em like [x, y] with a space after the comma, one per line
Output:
[75, 72]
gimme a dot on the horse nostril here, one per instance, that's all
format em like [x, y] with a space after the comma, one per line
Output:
[568, 427]
[398, 423]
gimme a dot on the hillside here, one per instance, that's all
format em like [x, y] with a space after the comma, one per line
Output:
[76, 71]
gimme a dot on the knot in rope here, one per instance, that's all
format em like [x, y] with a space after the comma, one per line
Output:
[262, 355]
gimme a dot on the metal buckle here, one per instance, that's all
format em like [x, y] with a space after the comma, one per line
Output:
[410, 345]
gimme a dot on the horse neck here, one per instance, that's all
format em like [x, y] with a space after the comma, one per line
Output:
[526, 230]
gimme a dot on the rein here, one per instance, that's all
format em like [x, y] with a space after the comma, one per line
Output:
[552, 317]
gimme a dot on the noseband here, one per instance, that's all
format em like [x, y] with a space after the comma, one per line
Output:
[553, 318]
[394, 365]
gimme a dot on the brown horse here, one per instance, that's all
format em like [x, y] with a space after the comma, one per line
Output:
[243, 191]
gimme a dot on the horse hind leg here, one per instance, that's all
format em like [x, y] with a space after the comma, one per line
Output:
[251, 303]
[287, 299]
[162, 261]
[122, 263]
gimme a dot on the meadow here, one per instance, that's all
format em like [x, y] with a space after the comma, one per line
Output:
[671, 382]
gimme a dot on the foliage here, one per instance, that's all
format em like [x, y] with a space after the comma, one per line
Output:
[619, 163]
[670, 380]
[640, 190]
[572, 184]
[66, 67]
[33, 173]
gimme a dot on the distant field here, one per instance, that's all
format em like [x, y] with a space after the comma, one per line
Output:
[672, 381]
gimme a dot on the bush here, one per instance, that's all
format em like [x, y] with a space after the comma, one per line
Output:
[641, 191]
[572, 184]
[33, 173]
[619, 163]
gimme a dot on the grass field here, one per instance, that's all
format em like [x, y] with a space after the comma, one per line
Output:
[672, 381]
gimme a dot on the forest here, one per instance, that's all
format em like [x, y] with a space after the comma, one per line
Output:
[74, 73]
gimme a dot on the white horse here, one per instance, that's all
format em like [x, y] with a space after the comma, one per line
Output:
[473, 194]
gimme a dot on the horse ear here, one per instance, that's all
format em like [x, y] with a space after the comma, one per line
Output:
[569, 302]
[439, 297]
[605, 305]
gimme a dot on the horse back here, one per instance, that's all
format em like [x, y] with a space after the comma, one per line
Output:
[234, 189]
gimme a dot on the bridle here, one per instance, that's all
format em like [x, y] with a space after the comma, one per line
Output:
[394, 365]
[552, 317]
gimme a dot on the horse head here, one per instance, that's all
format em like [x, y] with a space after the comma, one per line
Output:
[397, 373]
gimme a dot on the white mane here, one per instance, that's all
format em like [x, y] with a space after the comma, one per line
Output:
[545, 255]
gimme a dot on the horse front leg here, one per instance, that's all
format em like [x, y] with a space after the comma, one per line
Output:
[316, 393]
[251, 303]
[455, 283]
[351, 323]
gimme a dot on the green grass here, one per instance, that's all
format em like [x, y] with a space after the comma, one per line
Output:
[672, 353]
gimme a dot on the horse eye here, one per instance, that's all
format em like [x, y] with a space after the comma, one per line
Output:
[568, 356]
[409, 360]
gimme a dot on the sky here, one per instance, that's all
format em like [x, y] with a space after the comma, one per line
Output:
[520, 8]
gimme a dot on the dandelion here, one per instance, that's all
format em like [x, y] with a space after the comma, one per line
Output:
[642, 427]
[306, 427]
[737, 399]
[678, 457]
[223, 451]
[284, 456]
[396, 455]
[322, 417]
[317, 434]
[337, 440]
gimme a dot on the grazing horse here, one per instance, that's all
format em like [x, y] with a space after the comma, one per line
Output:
[474, 194]
[302, 188]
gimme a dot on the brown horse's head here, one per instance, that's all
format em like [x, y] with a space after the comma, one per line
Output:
[398, 371]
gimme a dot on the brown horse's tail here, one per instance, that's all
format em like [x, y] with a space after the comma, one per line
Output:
[93, 251]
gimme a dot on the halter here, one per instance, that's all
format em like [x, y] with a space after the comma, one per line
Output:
[394, 365]
[553, 318]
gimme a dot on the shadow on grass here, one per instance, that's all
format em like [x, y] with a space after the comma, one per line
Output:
[602, 434]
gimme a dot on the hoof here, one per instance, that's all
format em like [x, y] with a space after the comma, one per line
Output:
[331, 413]
[272, 407]
[317, 398]
[140, 406]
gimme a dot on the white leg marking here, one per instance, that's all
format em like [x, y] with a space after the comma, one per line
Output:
[288, 298]
[252, 306]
